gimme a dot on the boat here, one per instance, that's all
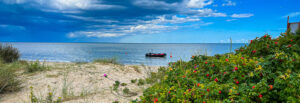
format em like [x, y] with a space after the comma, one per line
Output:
[156, 54]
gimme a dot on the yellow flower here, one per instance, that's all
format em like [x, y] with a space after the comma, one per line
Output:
[258, 68]
[170, 69]
[282, 77]
[230, 91]
[233, 87]
[287, 75]
[288, 70]
[251, 74]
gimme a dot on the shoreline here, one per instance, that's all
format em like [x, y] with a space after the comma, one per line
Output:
[76, 82]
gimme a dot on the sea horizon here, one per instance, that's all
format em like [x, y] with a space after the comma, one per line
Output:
[126, 53]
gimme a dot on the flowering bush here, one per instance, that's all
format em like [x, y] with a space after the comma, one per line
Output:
[266, 70]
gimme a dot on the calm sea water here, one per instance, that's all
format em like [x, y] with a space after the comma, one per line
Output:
[126, 53]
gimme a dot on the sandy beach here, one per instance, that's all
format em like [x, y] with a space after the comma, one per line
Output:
[81, 83]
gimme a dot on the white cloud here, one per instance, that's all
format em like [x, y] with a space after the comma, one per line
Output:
[231, 20]
[96, 34]
[12, 27]
[80, 4]
[294, 14]
[229, 3]
[91, 19]
[173, 20]
[198, 3]
[153, 4]
[210, 13]
[241, 15]
[65, 6]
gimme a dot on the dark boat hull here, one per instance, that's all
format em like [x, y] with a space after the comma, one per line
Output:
[156, 54]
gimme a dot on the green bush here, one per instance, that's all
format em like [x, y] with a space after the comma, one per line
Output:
[266, 70]
[116, 85]
[35, 66]
[141, 82]
[133, 80]
[8, 53]
[8, 79]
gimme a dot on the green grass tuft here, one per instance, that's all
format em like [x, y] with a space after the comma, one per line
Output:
[35, 66]
[107, 61]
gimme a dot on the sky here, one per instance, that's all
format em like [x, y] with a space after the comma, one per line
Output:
[144, 21]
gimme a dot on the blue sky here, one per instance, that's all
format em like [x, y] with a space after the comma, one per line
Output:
[144, 21]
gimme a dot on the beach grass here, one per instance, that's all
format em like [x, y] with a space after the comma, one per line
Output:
[8, 78]
[112, 60]
[36, 66]
[8, 54]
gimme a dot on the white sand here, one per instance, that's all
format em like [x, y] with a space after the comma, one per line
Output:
[84, 83]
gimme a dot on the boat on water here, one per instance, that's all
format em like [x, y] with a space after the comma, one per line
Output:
[156, 54]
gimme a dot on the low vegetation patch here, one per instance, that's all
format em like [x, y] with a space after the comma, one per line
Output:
[36, 66]
[107, 61]
[47, 99]
[266, 70]
[8, 79]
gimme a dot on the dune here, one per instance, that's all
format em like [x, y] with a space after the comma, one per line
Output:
[81, 83]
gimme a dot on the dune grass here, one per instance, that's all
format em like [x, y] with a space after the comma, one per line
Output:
[112, 60]
[36, 66]
[8, 78]
[8, 53]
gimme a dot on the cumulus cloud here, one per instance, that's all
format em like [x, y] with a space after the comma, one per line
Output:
[173, 19]
[229, 3]
[241, 15]
[65, 6]
[154, 4]
[210, 13]
[108, 19]
[198, 3]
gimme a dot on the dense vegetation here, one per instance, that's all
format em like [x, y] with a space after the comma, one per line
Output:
[265, 70]
[8, 80]
[8, 53]
[10, 64]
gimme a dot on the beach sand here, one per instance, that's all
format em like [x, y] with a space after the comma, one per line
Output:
[81, 83]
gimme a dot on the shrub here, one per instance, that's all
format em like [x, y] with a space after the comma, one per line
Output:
[8, 53]
[141, 82]
[126, 90]
[266, 70]
[123, 84]
[106, 60]
[8, 79]
[35, 66]
[116, 101]
[133, 80]
[116, 85]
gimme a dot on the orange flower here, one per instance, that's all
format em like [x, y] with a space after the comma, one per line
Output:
[271, 87]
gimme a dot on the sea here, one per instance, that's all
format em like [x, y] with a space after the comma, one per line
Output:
[126, 53]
